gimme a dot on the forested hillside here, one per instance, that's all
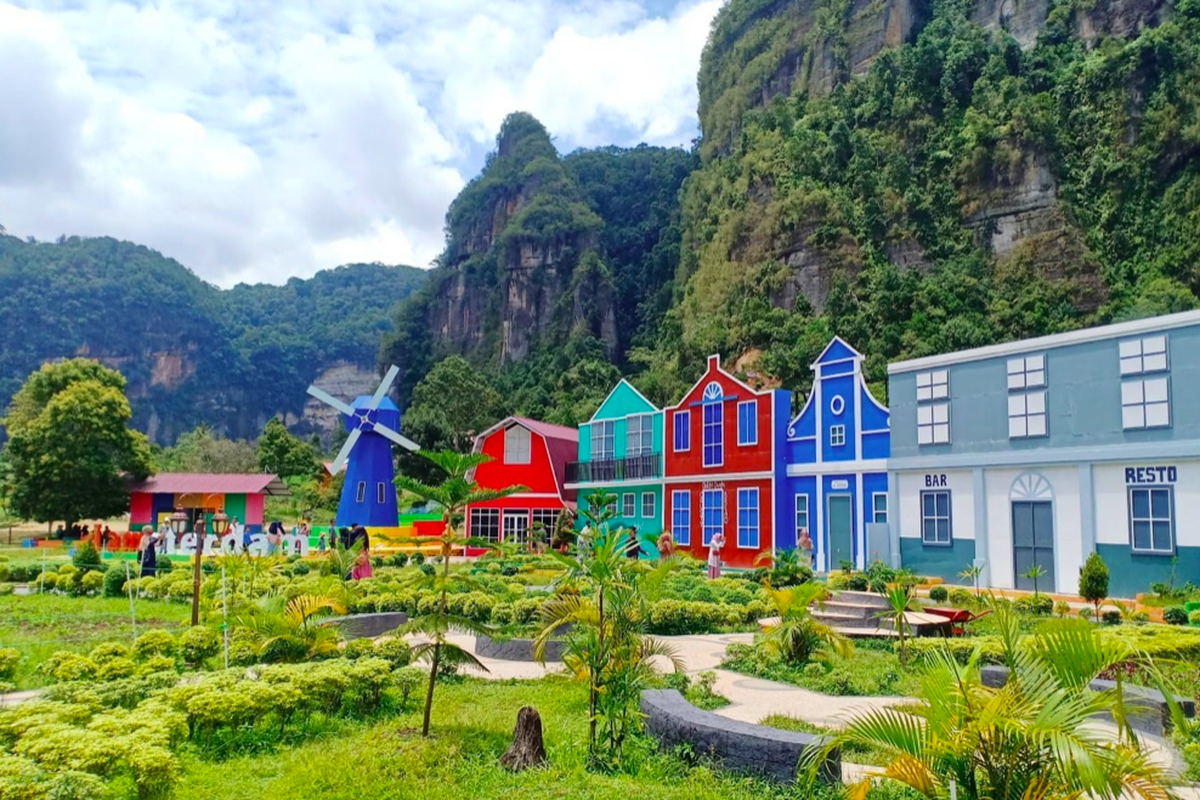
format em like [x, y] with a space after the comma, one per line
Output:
[190, 352]
[916, 176]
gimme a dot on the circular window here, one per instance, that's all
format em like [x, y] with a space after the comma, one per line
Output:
[837, 405]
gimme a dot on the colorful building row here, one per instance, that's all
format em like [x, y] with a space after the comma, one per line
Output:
[1031, 453]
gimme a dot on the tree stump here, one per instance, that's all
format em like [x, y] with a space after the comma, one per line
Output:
[527, 749]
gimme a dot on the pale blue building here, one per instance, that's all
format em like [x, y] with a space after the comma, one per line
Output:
[1045, 450]
[836, 455]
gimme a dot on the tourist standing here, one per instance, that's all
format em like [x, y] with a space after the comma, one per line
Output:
[362, 564]
[714, 554]
[806, 547]
[666, 545]
[321, 542]
[148, 552]
[274, 538]
[238, 530]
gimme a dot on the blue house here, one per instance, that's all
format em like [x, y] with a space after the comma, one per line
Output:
[836, 463]
[1039, 452]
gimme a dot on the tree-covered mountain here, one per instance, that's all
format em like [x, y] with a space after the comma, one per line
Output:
[915, 175]
[191, 353]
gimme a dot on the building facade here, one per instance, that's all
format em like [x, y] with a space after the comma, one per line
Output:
[621, 454]
[1039, 452]
[526, 453]
[723, 466]
[836, 455]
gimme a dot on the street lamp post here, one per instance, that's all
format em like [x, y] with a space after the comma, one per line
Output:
[220, 524]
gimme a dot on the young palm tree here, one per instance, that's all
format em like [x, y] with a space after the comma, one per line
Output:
[292, 629]
[1033, 573]
[1032, 739]
[900, 601]
[972, 573]
[453, 495]
[608, 646]
[798, 635]
[787, 568]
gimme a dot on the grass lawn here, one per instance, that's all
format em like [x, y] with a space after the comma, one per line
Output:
[37, 625]
[472, 724]
[873, 669]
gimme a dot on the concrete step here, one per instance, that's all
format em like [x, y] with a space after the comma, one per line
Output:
[860, 598]
[850, 609]
[844, 620]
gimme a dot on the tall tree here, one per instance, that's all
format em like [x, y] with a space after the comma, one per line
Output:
[70, 446]
[285, 455]
[449, 406]
[200, 450]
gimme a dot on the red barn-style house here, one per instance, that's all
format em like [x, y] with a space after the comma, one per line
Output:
[528, 453]
[721, 470]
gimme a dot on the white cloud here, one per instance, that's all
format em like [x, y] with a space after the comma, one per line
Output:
[255, 143]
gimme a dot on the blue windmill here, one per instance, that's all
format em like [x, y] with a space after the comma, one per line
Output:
[369, 494]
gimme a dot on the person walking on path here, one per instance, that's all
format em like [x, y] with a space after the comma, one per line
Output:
[148, 552]
[714, 554]
[806, 547]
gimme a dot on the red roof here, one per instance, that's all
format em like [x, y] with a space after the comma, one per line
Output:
[210, 483]
[562, 445]
[549, 429]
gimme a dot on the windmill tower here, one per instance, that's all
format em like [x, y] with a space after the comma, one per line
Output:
[369, 494]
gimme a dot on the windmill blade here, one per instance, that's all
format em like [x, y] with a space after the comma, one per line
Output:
[388, 380]
[328, 399]
[344, 453]
[397, 438]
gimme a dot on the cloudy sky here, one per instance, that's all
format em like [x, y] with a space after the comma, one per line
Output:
[256, 141]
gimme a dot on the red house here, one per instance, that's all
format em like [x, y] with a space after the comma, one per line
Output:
[721, 472]
[530, 453]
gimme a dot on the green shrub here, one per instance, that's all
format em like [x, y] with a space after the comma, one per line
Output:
[47, 581]
[154, 643]
[103, 653]
[1139, 617]
[1111, 617]
[1093, 580]
[63, 666]
[676, 617]
[1194, 617]
[395, 651]
[92, 582]
[962, 598]
[858, 582]
[358, 648]
[116, 668]
[409, 680]
[157, 663]
[418, 558]
[1036, 605]
[814, 670]
[1062, 608]
[939, 594]
[1175, 615]
[9, 659]
[242, 654]
[87, 557]
[199, 643]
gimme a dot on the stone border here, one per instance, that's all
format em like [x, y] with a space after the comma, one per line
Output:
[739, 746]
[1147, 709]
[516, 649]
[368, 626]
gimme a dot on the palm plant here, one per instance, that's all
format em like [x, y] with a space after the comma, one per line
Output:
[900, 602]
[453, 495]
[284, 629]
[798, 635]
[607, 646]
[1032, 739]
[1033, 573]
[787, 567]
[972, 573]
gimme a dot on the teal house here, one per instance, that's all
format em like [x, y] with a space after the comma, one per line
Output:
[621, 454]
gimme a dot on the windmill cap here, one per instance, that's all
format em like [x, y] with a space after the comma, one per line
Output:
[363, 402]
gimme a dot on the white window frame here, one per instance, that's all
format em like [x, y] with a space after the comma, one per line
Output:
[518, 445]
[1026, 372]
[706, 531]
[1151, 520]
[1027, 416]
[752, 430]
[380, 492]
[747, 501]
[933, 423]
[628, 505]
[935, 517]
[485, 524]
[713, 390]
[1139, 356]
[360, 492]
[604, 445]
[933, 385]
[639, 435]
[682, 422]
[837, 435]
[681, 513]
[547, 516]
[875, 511]
[649, 506]
[801, 500]
[1146, 403]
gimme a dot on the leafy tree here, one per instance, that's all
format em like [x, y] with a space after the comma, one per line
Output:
[1032, 738]
[604, 596]
[453, 495]
[795, 633]
[281, 453]
[70, 448]
[200, 450]
[1093, 581]
[449, 407]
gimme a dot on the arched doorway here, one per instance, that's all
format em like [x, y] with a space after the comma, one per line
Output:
[1032, 500]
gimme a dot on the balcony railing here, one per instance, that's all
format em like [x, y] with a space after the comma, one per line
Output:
[615, 469]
